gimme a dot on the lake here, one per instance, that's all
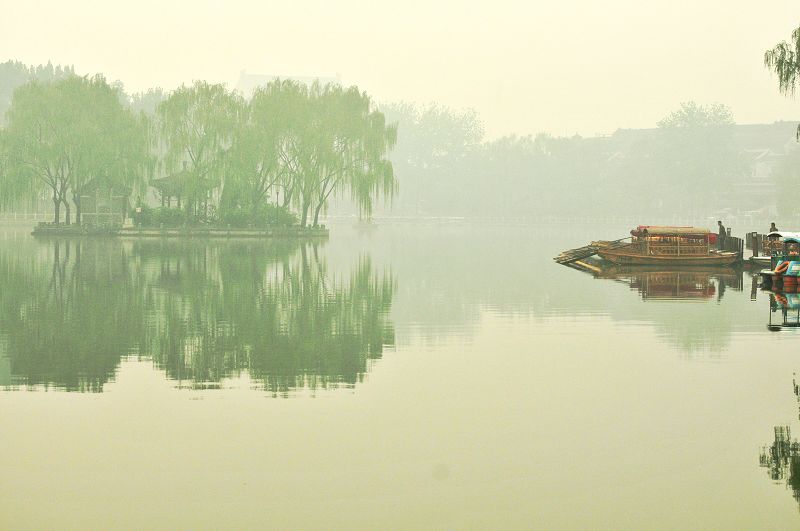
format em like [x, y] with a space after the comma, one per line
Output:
[440, 376]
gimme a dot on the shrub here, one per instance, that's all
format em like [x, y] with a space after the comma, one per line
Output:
[142, 216]
[237, 218]
[168, 217]
[265, 216]
[275, 215]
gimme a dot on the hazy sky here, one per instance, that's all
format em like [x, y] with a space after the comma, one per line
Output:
[563, 67]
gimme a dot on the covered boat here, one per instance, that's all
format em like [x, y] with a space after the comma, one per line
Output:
[784, 272]
[774, 242]
[659, 245]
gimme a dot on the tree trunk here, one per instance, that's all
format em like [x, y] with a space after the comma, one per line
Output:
[67, 217]
[56, 210]
[77, 200]
[304, 219]
[316, 213]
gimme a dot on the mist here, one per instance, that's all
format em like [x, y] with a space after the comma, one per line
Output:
[575, 67]
[350, 265]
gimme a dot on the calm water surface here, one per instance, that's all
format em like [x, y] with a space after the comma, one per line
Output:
[410, 376]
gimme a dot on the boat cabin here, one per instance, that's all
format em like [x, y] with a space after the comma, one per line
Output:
[791, 246]
[780, 244]
[672, 241]
[775, 242]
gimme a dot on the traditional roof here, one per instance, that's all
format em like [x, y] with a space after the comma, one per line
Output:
[660, 230]
[179, 183]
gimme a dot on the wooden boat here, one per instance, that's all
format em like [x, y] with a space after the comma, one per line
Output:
[785, 260]
[653, 245]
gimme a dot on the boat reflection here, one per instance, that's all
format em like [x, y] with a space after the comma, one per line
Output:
[657, 283]
[784, 310]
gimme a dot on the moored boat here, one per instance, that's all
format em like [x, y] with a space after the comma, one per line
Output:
[661, 245]
[785, 265]
[771, 245]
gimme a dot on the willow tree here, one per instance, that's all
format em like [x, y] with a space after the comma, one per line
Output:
[371, 173]
[65, 136]
[111, 142]
[344, 146]
[196, 126]
[784, 60]
[40, 149]
[14, 74]
[262, 155]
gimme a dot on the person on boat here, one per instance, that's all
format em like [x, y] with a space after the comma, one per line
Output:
[772, 227]
[722, 235]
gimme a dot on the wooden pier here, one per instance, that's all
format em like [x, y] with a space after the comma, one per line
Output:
[571, 256]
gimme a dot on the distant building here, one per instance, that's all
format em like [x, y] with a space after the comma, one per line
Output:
[762, 148]
[248, 83]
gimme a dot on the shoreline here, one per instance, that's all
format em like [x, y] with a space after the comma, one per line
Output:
[185, 232]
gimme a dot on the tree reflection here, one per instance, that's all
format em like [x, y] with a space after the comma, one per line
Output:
[66, 320]
[782, 457]
[203, 312]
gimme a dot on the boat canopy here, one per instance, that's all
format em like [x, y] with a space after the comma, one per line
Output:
[660, 230]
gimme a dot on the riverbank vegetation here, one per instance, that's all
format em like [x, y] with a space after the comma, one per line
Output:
[292, 151]
[689, 164]
[206, 154]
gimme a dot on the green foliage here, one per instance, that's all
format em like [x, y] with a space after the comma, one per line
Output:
[303, 145]
[216, 155]
[196, 125]
[66, 137]
[147, 217]
[784, 60]
[169, 217]
[143, 216]
[266, 215]
[146, 102]
[693, 115]
[14, 74]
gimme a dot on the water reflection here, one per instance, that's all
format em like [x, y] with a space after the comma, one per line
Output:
[782, 457]
[691, 329]
[782, 460]
[784, 310]
[202, 312]
[657, 283]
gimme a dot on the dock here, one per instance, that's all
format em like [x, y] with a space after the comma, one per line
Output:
[572, 256]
